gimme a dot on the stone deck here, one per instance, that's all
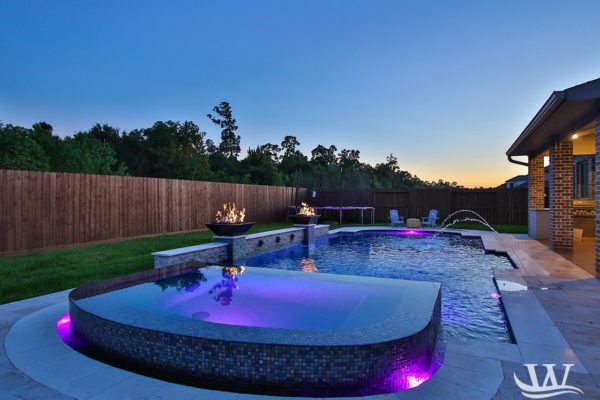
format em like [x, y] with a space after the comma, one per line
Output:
[551, 303]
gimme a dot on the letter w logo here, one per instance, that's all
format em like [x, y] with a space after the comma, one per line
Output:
[550, 386]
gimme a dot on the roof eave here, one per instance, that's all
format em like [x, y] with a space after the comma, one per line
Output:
[551, 105]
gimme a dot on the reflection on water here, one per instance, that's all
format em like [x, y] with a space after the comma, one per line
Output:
[470, 306]
[224, 290]
[188, 282]
[308, 265]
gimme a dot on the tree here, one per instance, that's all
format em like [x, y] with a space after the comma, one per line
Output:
[290, 164]
[323, 156]
[106, 134]
[19, 151]
[42, 134]
[133, 152]
[259, 168]
[349, 159]
[83, 153]
[292, 159]
[391, 162]
[270, 150]
[224, 169]
[175, 150]
[180, 150]
[289, 145]
[230, 141]
[211, 148]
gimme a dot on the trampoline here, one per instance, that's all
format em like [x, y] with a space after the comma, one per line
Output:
[340, 210]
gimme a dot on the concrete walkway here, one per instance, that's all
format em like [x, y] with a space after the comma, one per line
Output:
[551, 305]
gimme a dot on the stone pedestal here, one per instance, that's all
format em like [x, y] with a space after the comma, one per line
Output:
[236, 246]
[309, 233]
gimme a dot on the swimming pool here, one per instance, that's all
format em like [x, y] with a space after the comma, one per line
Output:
[471, 307]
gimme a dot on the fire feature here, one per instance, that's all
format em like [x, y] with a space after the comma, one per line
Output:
[306, 215]
[230, 221]
[306, 210]
[230, 214]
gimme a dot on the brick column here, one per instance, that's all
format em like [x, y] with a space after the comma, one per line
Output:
[561, 195]
[536, 181]
[597, 196]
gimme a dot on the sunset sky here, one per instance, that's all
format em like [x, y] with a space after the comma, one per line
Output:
[445, 86]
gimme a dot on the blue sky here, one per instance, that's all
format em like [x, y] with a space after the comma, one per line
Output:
[445, 86]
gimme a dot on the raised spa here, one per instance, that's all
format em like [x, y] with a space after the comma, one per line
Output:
[263, 330]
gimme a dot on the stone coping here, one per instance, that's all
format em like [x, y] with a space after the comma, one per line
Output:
[189, 249]
[412, 314]
[271, 233]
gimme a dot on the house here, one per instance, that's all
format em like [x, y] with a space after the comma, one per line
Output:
[519, 181]
[566, 129]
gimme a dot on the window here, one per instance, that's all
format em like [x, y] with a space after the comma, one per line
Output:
[583, 179]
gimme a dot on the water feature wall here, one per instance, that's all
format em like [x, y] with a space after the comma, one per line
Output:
[238, 247]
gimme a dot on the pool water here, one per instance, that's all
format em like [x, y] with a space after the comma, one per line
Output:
[471, 307]
[266, 298]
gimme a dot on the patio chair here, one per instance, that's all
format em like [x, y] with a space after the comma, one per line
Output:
[431, 219]
[395, 219]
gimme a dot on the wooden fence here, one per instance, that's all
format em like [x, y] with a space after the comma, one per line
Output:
[498, 206]
[40, 210]
[44, 210]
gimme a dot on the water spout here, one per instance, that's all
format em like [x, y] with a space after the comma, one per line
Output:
[474, 217]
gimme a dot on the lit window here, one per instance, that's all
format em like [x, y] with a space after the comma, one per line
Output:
[583, 179]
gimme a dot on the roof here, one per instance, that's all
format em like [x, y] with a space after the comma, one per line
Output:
[517, 178]
[564, 112]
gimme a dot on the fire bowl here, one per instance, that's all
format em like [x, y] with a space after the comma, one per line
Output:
[230, 229]
[306, 219]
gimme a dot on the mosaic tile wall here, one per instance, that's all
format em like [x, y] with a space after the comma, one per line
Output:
[303, 370]
[272, 242]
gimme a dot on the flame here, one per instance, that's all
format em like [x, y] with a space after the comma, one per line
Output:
[233, 271]
[231, 214]
[306, 210]
[308, 265]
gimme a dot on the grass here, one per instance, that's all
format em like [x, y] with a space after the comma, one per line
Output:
[37, 274]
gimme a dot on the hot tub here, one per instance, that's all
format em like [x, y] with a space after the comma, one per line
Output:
[263, 331]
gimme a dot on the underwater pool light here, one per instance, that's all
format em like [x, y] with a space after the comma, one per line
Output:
[63, 327]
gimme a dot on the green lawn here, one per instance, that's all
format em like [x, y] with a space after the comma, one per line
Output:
[52, 271]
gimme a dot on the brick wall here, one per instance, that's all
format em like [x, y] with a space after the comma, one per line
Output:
[593, 181]
[561, 195]
[536, 181]
[597, 196]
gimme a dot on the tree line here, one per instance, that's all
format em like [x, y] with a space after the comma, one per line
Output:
[180, 150]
